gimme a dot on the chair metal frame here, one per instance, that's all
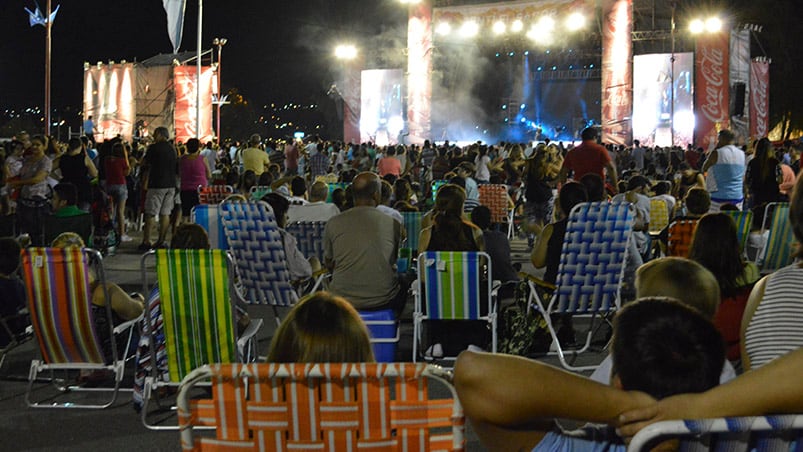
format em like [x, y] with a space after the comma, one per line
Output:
[214, 194]
[322, 406]
[75, 336]
[246, 343]
[778, 226]
[778, 432]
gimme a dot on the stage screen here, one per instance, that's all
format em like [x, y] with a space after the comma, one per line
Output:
[109, 99]
[382, 106]
[652, 95]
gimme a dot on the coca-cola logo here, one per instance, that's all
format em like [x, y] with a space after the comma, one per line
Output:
[760, 92]
[712, 70]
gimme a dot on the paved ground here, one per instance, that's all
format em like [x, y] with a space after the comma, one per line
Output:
[118, 427]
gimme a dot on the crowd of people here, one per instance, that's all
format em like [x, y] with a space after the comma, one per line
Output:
[689, 323]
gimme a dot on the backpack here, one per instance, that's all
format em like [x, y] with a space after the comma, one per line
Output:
[524, 331]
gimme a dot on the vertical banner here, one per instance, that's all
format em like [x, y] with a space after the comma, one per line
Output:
[711, 88]
[109, 99]
[184, 81]
[617, 73]
[739, 72]
[419, 71]
[759, 98]
[351, 101]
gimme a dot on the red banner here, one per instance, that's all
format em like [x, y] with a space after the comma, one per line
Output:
[419, 72]
[759, 98]
[617, 73]
[711, 88]
[184, 80]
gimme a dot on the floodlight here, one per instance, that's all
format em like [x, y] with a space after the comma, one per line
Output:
[696, 26]
[443, 29]
[713, 25]
[499, 28]
[469, 29]
[575, 21]
[345, 52]
[516, 26]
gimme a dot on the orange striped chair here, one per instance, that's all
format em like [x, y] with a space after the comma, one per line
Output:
[496, 199]
[59, 290]
[679, 237]
[325, 407]
[214, 194]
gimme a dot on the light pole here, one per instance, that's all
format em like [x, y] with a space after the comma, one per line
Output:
[221, 99]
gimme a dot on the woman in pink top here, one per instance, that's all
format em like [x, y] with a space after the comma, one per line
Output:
[116, 168]
[193, 171]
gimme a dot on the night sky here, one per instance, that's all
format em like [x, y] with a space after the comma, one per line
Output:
[276, 50]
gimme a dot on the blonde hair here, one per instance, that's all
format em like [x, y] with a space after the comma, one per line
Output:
[680, 278]
[68, 240]
[321, 327]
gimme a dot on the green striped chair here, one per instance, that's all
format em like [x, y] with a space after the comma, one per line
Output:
[195, 297]
[777, 250]
[744, 221]
[450, 287]
[412, 225]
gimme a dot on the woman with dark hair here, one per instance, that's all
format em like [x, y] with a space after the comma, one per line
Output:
[116, 168]
[77, 168]
[762, 177]
[449, 231]
[715, 245]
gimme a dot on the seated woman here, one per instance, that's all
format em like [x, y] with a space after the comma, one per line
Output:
[546, 252]
[715, 245]
[124, 306]
[321, 328]
[299, 267]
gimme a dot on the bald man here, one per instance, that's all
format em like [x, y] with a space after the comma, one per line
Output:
[361, 247]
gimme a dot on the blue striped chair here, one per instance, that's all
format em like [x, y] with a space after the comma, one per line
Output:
[309, 235]
[412, 225]
[744, 221]
[592, 265]
[736, 434]
[208, 217]
[451, 287]
[777, 250]
[256, 243]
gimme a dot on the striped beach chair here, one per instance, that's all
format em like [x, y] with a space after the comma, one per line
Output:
[309, 235]
[495, 198]
[435, 186]
[328, 407]
[777, 250]
[208, 217]
[679, 237]
[744, 221]
[195, 292]
[592, 264]
[214, 194]
[412, 225]
[735, 434]
[59, 289]
[659, 216]
[452, 286]
[256, 244]
[258, 191]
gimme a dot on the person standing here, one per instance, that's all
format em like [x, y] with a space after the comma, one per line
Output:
[724, 172]
[77, 168]
[253, 158]
[159, 166]
[194, 172]
[588, 157]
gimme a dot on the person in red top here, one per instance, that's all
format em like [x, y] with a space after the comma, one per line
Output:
[389, 164]
[588, 157]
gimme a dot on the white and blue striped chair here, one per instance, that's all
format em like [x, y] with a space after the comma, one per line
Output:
[309, 235]
[736, 434]
[256, 243]
[208, 217]
[592, 265]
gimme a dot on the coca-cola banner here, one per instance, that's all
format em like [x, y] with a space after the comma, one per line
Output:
[759, 98]
[184, 80]
[711, 88]
[617, 73]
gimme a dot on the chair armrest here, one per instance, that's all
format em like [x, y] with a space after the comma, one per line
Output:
[129, 323]
[537, 281]
[250, 331]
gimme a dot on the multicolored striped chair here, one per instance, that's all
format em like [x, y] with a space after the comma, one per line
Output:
[208, 217]
[59, 284]
[452, 285]
[744, 221]
[412, 225]
[214, 194]
[256, 244]
[735, 434]
[195, 291]
[495, 198]
[328, 407]
[777, 250]
[679, 237]
[592, 264]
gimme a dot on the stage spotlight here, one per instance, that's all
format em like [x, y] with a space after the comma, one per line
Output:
[540, 35]
[713, 25]
[511, 54]
[526, 52]
[443, 29]
[696, 26]
[546, 23]
[469, 29]
[499, 28]
[345, 52]
[517, 26]
[575, 21]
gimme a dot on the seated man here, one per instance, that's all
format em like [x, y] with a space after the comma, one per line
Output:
[67, 217]
[361, 247]
[660, 348]
[317, 209]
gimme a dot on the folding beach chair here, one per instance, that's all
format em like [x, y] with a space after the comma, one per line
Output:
[328, 407]
[659, 216]
[412, 226]
[256, 244]
[592, 264]
[334, 186]
[12, 328]
[436, 185]
[735, 434]
[195, 292]
[309, 235]
[258, 191]
[208, 217]
[59, 292]
[453, 286]
[777, 250]
[383, 326]
[214, 194]
[744, 221]
[495, 198]
[679, 238]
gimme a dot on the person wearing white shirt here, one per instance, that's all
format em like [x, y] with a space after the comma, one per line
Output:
[317, 209]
